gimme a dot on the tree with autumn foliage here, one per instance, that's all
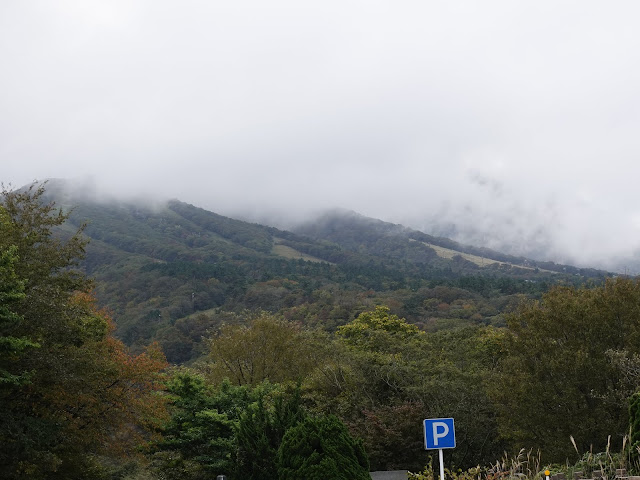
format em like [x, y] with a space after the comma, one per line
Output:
[268, 348]
[69, 391]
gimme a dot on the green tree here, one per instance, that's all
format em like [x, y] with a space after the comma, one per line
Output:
[269, 348]
[260, 432]
[556, 374]
[11, 290]
[65, 401]
[321, 447]
[198, 440]
[47, 263]
[224, 429]
[386, 376]
[369, 325]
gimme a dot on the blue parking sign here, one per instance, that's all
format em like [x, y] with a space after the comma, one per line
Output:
[439, 433]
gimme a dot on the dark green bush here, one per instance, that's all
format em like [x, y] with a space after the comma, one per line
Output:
[320, 448]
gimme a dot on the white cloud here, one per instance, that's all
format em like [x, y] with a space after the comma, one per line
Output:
[515, 121]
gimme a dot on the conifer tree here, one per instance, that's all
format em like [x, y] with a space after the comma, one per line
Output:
[319, 448]
[197, 440]
[260, 432]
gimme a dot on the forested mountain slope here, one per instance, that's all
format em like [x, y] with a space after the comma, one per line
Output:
[353, 231]
[171, 272]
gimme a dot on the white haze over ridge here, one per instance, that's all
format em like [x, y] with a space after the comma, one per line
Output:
[512, 125]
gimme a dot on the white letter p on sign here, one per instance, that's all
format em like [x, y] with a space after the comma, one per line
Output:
[442, 433]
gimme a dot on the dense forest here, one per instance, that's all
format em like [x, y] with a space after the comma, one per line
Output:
[171, 272]
[170, 342]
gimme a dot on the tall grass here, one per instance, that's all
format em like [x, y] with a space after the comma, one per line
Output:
[606, 462]
[527, 465]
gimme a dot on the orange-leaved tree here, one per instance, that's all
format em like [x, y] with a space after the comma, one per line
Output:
[108, 400]
[73, 392]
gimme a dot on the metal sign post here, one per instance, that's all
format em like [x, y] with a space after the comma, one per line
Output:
[439, 433]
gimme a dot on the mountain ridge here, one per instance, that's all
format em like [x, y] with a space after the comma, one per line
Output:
[170, 272]
[315, 230]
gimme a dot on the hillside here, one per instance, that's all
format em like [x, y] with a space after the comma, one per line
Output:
[171, 272]
[351, 230]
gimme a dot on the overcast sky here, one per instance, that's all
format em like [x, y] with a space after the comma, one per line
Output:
[508, 124]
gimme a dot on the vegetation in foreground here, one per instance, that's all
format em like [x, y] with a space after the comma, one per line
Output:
[272, 398]
[69, 391]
